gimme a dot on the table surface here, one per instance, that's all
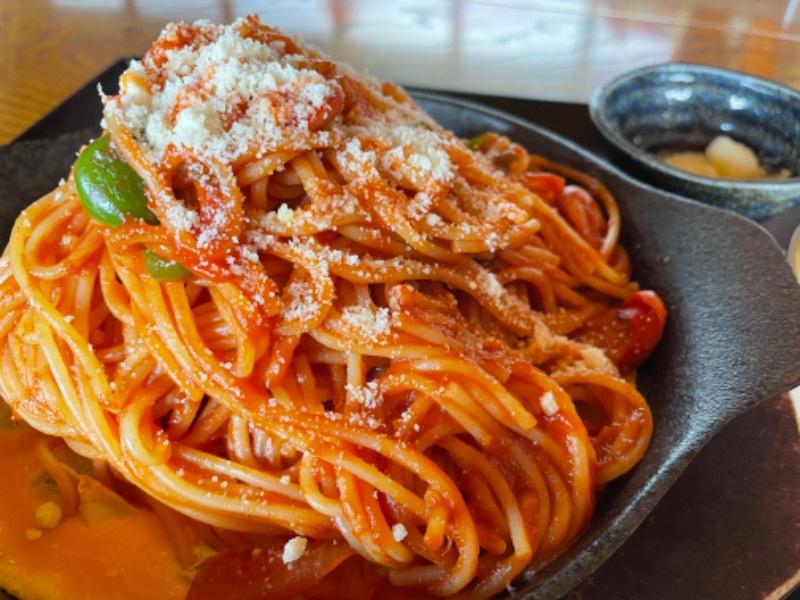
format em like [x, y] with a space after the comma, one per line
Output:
[545, 49]
[536, 49]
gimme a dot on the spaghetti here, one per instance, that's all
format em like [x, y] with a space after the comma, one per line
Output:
[351, 348]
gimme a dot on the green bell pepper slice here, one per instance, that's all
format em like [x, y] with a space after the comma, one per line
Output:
[109, 188]
[163, 269]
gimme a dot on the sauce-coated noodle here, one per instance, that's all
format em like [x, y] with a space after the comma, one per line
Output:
[352, 348]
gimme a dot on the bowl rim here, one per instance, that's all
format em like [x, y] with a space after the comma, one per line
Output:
[599, 114]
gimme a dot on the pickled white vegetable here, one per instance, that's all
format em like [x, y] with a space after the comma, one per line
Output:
[723, 157]
[692, 162]
[733, 159]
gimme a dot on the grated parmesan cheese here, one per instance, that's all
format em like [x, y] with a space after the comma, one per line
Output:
[302, 304]
[367, 322]
[418, 153]
[432, 219]
[594, 358]
[489, 282]
[222, 98]
[368, 395]
[399, 532]
[548, 403]
[294, 549]
[285, 214]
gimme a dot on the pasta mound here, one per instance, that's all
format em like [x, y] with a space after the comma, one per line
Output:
[346, 346]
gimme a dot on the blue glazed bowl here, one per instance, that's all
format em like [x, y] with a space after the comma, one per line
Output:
[679, 106]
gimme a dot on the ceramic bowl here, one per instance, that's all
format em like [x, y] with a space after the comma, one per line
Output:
[679, 106]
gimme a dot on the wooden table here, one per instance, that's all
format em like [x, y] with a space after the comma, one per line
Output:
[547, 49]
[536, 49]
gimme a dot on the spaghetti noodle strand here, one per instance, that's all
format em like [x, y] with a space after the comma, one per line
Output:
[315, 319]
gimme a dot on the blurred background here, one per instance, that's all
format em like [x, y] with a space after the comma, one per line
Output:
[545, 49]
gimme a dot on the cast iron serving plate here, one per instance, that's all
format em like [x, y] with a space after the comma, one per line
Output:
[732, 337]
